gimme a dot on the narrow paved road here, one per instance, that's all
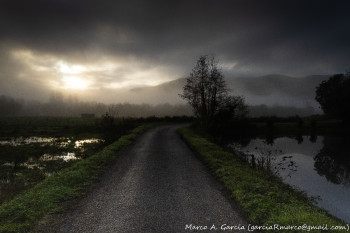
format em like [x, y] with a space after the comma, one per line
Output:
[158, 185]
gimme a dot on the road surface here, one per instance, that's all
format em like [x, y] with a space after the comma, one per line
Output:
[158, 185]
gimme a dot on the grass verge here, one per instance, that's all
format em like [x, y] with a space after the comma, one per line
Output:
[26, 209]
[263, 197]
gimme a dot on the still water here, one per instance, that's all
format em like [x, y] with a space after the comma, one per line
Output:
[318, 165]
[26, 161]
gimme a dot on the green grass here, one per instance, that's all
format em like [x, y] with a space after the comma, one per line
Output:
[262, 196]
[25, 210]
[22, 166]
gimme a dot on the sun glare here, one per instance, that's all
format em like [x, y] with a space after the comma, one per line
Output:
[107, 73]
[71, 75]
[74, 83]
[70, 69]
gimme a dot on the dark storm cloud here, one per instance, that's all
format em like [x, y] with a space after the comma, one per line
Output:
[251, 37]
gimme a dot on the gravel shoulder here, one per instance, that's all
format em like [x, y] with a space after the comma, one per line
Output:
[157, 185]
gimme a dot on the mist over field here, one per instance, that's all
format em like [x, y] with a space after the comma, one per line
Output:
[269, 95]
[111, 111]
[71, 57]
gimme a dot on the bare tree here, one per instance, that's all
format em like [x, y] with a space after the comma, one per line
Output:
[207, 92]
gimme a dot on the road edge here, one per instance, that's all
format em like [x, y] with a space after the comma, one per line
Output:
[57, 193]
[282, 205]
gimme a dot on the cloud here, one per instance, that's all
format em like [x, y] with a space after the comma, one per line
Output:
[121, 43]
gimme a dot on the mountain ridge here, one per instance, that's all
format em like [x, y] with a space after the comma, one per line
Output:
[269, 90]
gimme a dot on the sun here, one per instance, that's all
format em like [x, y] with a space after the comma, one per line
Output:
[73, 82]
[65, 68]
[72, 75]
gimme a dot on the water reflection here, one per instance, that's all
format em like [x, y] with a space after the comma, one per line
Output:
[21, 140]
[48, 140]
[80, 143]
[319, 165]
[313, 138]
[299, 138]
[65, 157]
[270, 139]
[268, 153]
[333, 160]
[26, 161]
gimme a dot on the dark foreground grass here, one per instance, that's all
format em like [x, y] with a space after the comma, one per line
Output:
[263, 197]
[48, 126]
[26, 209]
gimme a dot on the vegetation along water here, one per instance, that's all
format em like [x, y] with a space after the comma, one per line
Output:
[317, 165]
[33, 148]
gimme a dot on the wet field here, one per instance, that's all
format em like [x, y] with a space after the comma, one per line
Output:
[32, 148]
[26, 161]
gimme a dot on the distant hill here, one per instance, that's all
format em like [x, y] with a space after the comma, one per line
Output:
[164, 93]
[278, 90]
[176, 84]
[270, 90]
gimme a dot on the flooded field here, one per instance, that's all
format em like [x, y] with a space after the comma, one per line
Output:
[32, 148]
[318, 165]
[24, 161]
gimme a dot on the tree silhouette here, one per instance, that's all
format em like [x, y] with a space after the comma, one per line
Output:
[332, 161]
[207, 93]
[334, 96]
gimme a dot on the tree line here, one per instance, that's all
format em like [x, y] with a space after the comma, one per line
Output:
[71, 107]
[207, 95]
[333, 96]
[213, 106]
[67, 107]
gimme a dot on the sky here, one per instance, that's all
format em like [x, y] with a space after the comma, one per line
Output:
[90, 48]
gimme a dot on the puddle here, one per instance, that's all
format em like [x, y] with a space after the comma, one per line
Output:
[20, 141]
[26, 161]
[62, 142]
[80, 143]
[9, 164]
[66, 157]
